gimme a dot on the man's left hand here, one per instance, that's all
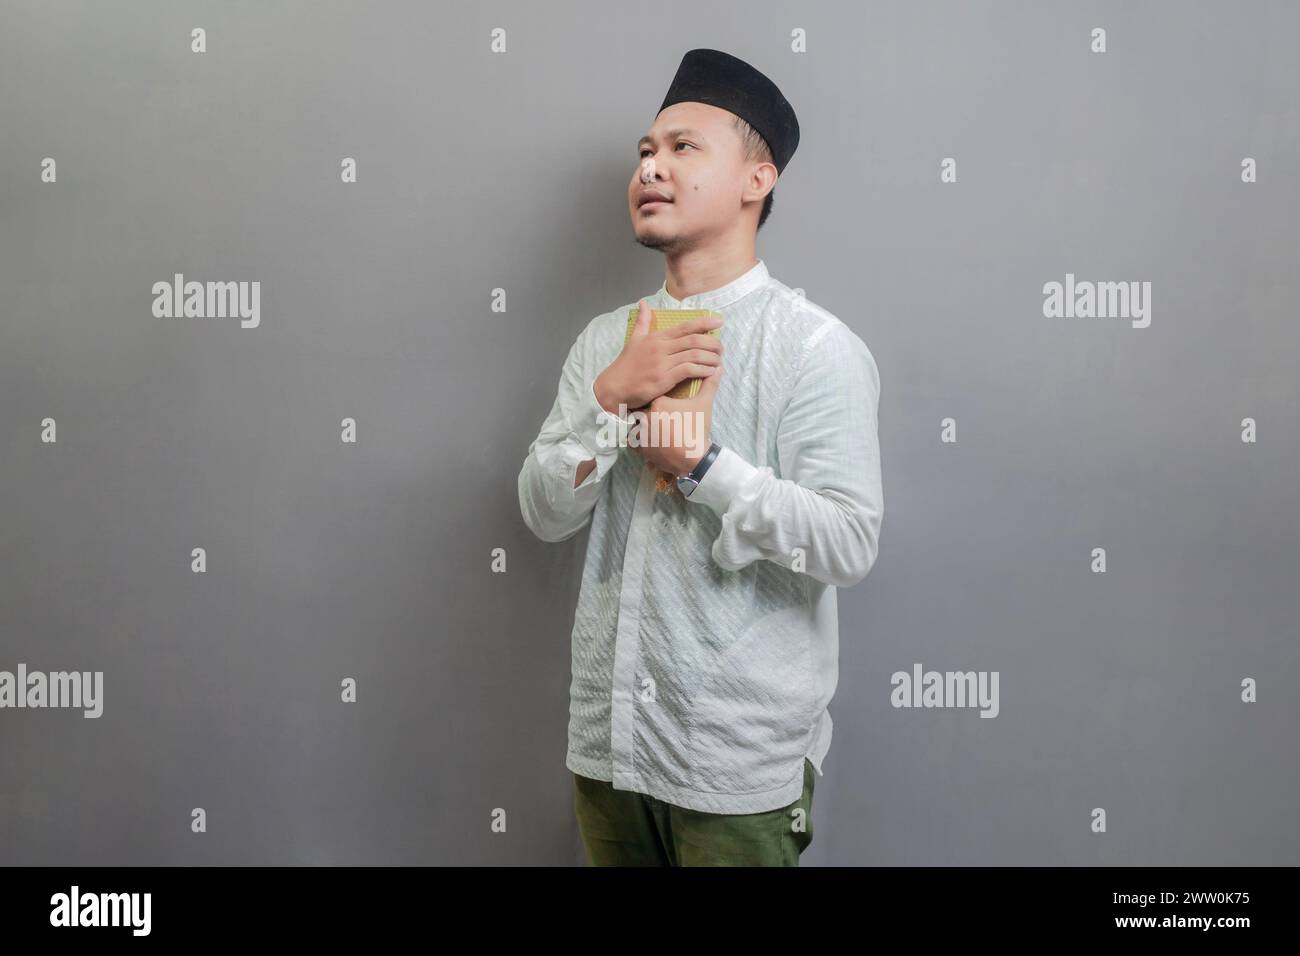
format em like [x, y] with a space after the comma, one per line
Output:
[671, 453]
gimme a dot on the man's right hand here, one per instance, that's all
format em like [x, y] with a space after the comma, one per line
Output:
[652, 363]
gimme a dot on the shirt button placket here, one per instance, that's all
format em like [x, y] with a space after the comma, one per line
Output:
[627, 642]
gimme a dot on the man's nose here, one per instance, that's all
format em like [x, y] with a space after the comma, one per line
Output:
[648, 170]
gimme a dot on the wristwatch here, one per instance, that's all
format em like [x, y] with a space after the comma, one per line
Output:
[688, 483]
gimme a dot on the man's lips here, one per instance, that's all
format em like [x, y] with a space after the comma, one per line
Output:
[652, 197]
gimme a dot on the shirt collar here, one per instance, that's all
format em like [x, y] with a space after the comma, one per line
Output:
[721, 297]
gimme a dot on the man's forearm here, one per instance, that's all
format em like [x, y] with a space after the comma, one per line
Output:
[562, 476]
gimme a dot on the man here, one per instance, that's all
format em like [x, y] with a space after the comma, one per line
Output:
[705, 641]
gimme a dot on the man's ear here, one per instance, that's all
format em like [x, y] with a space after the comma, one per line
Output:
[762, 180]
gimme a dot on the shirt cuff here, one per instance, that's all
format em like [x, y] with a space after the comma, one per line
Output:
[600, 432]
[725, 477]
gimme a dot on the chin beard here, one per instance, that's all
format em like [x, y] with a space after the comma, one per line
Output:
[668, 245]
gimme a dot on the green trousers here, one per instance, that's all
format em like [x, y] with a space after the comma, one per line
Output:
[625, 828]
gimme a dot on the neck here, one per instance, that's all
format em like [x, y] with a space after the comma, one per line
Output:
[703, 270]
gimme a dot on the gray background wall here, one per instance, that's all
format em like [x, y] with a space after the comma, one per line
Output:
[476, 171]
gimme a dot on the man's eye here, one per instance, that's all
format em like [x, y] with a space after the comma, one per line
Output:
[683, 143]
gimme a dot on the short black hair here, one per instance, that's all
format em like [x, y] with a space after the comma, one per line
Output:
[756, 148]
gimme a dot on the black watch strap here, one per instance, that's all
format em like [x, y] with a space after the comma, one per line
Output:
[705, 462]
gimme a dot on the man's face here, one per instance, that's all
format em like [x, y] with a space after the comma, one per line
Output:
[699, 166]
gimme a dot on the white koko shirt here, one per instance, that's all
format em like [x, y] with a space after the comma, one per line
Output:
[703, 661]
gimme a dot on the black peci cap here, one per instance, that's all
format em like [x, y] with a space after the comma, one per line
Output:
[727, 82]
